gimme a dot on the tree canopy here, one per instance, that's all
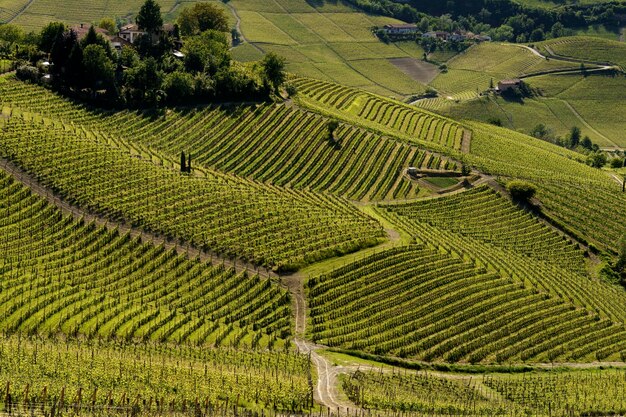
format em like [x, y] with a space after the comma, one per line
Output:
[201, 17]
[149, 17]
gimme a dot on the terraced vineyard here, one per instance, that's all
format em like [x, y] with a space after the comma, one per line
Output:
[586, 48]
[586, 201]
[104, 378]
[470, 295]
[63, 276]
[485, 216]
[380, 114]
[562, 393]
[473, 70]
[280, 228]
[41, 12]
[424, 393]
[295, 148]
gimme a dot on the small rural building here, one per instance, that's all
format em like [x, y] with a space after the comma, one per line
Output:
[437, 35]
[506, 85]
[82, 30]
[400, 30]
[130, 32]
[457, 37]
[482, 38]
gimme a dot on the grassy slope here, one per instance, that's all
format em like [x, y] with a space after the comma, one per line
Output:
[331, 42]
[471, 71]
[594, 99]
[41, 12]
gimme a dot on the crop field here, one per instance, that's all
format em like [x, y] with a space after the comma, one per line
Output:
[580, 197]
[586, 48]
[107, 378]
[40, 12]
[542, 394]
[450, 301]
[379, 113]
[81, 279]
[331, 41]
[299, 256]
[473, 69]
[277, 228]
[359, 165]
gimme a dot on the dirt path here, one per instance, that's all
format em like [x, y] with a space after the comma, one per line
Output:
[147, 237]
[22, 10]
[587, 125]
[242, 38]
[326, 387]
[466, 141]
[534, 51]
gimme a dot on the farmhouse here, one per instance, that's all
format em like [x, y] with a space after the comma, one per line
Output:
[130, 32]
[82, 30]
[400, 30]
[506, 85]
[437, 35]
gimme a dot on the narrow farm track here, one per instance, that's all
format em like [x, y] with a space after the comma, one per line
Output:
[79, 213]
[587, 125]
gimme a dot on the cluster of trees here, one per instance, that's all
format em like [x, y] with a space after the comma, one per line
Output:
[148, 73]
[503, 20]
[576, 142]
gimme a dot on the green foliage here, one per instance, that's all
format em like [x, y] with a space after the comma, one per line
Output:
[597, 159]
[225, 214]
[201, 17]
[99, 69]
[179, 86]
[521, 190]
[274, 70]
[49, 35]
[109, 25]
[149, 17]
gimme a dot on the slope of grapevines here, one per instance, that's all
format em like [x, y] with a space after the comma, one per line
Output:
[263, 224]
[380, 114]
[48, 376]
[271, 143]
[59, 275]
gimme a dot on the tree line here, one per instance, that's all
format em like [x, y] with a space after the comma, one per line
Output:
[503, 20]
[183, 63]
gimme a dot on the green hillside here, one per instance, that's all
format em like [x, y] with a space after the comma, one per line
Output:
[270, 227]
[326, 229]
[330, 41]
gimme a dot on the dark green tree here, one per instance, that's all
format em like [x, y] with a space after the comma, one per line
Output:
[274, 70]
[183, 162]
[99, 69]
[49, 35]
[574, 137]
[149, 17]
[521, 191]
[189, 163]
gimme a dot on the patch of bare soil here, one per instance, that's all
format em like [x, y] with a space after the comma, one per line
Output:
[417, 69]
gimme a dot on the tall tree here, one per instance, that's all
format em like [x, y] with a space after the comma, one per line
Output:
[201, 17]
[149, 17]
[183, 167]
[99, 69]
[49, 34]
[274, 70]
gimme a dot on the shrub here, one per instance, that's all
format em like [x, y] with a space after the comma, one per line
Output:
[521, 190]
[27, 73]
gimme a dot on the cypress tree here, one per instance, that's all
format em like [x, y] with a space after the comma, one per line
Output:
[189, 162]
[183, 167]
